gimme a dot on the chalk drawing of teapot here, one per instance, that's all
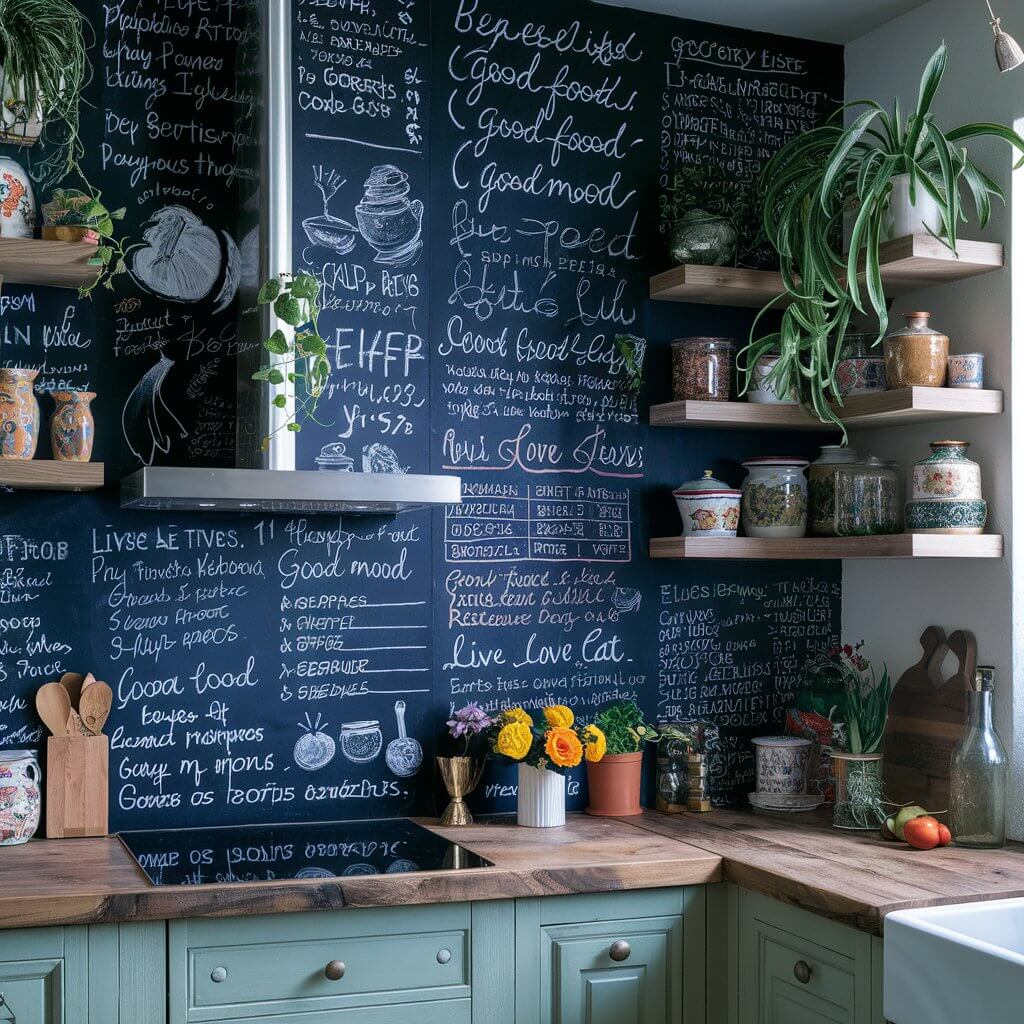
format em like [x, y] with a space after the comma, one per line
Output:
[388, 220]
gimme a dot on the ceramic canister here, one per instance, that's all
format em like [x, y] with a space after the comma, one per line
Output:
[708, 508]
[966, 371]
[774, 503]
[782, 763]
[19, 414]
[822, 487]
[17, 200]
[762, 390]
[19, 796]
[861, 367]
[71, 427]
[946, 493]
[916, 355]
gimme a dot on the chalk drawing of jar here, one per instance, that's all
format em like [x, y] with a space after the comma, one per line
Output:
[388, 220]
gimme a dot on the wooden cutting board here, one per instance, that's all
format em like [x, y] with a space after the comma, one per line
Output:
[926, 720]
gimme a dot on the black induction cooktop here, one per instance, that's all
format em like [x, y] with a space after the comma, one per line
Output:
[252, 853]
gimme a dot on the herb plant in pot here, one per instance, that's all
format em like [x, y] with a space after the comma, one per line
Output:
[874, 171]
[613, 780]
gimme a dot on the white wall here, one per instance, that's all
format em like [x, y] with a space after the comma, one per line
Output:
[889, 603]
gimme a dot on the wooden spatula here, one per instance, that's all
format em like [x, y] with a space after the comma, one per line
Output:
[95, 706]
[72, 682]
[54, 707]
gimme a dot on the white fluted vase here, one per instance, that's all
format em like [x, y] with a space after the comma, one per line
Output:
[541, 798]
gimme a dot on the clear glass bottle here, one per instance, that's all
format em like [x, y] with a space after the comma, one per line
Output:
[978, 774]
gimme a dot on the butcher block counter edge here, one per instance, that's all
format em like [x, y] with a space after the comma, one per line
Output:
[96, 881]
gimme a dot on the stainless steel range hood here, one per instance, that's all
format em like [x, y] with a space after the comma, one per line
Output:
[265, 479]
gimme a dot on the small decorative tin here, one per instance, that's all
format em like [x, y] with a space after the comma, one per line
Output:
[860, 372]
[708, 508]
[774, 501]
[782, 763]
[966, 371]
[19, 796]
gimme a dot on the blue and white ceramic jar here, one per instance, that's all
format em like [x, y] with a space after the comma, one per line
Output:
[782, 763]
[17, 201]
[966, 371]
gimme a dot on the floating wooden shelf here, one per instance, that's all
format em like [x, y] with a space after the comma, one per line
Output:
[862, 412]
[39, 475]
[916, 261]
[35, 261]
[903, 545]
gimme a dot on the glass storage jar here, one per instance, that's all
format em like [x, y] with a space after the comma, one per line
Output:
[822, 487]
[702, 369]
[774, 504]
[867, 499]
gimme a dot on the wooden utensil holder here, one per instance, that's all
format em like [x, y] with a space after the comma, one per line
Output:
[76, 786]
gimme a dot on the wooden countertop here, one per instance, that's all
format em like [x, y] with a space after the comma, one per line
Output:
[851, 877]
[92, 881]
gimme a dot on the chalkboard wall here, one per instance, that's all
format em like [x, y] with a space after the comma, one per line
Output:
[499, 169]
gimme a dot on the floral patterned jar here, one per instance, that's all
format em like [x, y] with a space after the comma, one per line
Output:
[947, 474]
[19, 414]
[19, 796]
[822, 487]
[775, 498]
[71, 427]
[861, 368]
[708, 508]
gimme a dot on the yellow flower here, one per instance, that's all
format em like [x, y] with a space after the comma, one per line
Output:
[559, 715]
[597, 743]
[515, 740]
[563, 747]
[518, 715]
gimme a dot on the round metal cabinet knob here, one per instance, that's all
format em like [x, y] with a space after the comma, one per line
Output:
[335, 970]
[218, 974]
[802, 971]
[444, 956]
[620, 950]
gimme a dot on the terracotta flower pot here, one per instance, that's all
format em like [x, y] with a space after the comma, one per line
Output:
[614, 784]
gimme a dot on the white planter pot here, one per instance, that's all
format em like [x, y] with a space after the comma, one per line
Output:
[541, 798]
[18, 127]
[906, 218]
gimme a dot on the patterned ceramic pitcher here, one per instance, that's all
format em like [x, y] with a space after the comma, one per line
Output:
[19, 796]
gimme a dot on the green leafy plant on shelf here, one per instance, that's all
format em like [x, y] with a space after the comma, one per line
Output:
[624, 727]
[823, 175]
[300, 364]
[73, 208]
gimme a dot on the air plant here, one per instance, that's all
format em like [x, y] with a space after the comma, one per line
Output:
[819, 177]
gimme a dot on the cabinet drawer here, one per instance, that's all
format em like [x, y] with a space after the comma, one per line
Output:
[827, 994]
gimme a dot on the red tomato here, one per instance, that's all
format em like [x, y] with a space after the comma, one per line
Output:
[945, 836]
[922, 833]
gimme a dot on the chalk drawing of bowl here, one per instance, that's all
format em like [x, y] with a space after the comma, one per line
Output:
[331, 232]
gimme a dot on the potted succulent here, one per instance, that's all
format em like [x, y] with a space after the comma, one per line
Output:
[613, 781]
[859, 717]
[461, 773]
[43, 69]
[543, 753]
[876, 170]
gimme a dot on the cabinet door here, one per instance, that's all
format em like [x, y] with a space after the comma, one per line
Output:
[31, 992]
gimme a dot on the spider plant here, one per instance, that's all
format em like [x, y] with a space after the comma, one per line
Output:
[820, 176]
[43, 69]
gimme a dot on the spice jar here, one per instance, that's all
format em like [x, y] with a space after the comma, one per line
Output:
[916, 355]
[867, 499]
[774, 502]
[702, 369]
[822, 488]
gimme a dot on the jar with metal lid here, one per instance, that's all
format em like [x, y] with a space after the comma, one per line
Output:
[867, 499]
[822, 487]
[702, 369]
[916, 355]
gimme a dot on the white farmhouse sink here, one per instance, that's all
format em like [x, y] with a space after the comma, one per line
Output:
[956, 965]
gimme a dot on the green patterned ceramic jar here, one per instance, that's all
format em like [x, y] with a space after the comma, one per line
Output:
[775, 498]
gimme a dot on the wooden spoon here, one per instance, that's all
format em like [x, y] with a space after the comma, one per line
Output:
[95, 706]
[72, 682]
[54, 707]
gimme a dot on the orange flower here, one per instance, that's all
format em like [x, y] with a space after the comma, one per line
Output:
[563, 747]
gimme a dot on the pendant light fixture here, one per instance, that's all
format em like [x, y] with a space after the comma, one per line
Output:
[1009, 54]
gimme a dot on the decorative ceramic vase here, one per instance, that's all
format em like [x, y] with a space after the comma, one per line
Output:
[19, 414]
[541, 802]
[916, 355]
[460, 775]
[945, 493]
[19, 126]
[19, 796]
[708, 508]
[966, 371]
[387, 219]
[17, 200]
[904, 217]
[703, 238]
[782, 763]
[762, 390]
[821, 478]
[72, 429]
[613, 785]
[858, 803]
[774, 501]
